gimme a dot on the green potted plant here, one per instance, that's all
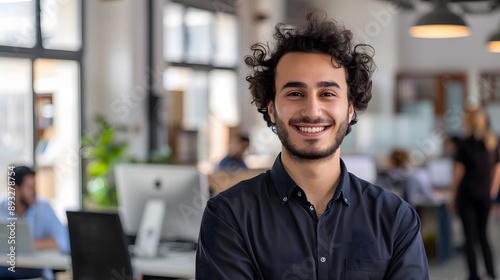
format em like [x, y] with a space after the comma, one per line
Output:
[102, 152]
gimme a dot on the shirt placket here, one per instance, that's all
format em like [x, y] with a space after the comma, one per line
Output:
[322, 245]
[322, 240]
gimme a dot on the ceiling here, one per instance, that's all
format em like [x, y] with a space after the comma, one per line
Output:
[465, 6]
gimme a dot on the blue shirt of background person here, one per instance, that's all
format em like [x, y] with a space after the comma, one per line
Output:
[45, 228]
[234, 160]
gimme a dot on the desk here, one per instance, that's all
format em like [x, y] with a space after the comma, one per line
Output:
[40, 259]
[175, 264]
[436, 226]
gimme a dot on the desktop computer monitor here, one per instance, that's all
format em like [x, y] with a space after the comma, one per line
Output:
[362, 166]
[441, 172]
[183, 189]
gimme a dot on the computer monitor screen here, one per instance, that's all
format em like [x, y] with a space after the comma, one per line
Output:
[98, 246]
[183, 188]
[441, 172]
[362, 166]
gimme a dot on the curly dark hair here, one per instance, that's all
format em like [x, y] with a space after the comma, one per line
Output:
[322, 36]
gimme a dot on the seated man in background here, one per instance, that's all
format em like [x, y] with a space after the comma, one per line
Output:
[234, 160]
[412, 183]
[45, 228]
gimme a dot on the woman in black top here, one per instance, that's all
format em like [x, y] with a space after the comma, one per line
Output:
[476, 179]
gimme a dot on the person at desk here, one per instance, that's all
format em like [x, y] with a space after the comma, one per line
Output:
[412, 184]
[476, 177]
[307, 217]
[234, 160]
[45, 228]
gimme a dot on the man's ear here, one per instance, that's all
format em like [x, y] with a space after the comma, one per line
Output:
[270, 110]
[351, 111]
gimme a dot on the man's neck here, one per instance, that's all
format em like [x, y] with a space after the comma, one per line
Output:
[20, 209]
[318, 178]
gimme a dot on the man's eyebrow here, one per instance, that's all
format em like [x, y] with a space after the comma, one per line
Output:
[328, 84]
[296, 84]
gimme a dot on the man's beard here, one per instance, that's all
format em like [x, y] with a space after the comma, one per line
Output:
[24, 202]
[311, 153]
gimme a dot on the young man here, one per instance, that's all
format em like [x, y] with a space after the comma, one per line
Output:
[46, 230]
[308, 218]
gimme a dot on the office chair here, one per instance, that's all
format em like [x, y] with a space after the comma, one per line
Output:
[98, 246]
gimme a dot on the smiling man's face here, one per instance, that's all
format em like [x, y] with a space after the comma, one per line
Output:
[311, 109]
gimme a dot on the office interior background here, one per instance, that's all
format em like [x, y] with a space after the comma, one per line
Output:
[168, 78]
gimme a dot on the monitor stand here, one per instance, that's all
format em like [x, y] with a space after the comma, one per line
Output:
[149, 234]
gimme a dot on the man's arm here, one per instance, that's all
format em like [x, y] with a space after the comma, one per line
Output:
[45, 243]
[495, 184]
[221, 252]
[55, 232]
[409, 260]
[458, 174]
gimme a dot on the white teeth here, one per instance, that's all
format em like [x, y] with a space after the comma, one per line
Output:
[311, 129]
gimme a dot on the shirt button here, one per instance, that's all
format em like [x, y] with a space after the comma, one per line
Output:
[285, 199]
[299, 193]
[311, 207]
[323, 259]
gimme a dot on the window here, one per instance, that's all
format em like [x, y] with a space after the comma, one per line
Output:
[489, 87]
[200, 49]
[40, 66]
[17, 26]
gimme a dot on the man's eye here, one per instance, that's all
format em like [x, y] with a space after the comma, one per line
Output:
[295, 93]
[329, 94]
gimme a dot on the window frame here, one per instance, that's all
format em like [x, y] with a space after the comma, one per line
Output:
[39, 52]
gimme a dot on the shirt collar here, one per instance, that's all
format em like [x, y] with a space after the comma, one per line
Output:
[344, 189]
[284, 184]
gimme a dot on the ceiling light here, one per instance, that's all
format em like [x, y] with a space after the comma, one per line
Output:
[440, 23]
[13, 1]
[493, 44]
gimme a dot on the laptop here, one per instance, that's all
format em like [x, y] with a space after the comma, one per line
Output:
[17, 235]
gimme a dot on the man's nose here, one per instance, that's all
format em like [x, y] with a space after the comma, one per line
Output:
[312, 108]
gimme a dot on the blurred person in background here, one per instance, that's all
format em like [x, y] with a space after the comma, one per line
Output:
[45, 228]
[411, 183]
[496, 208]
[234, 160]
[476, 179]
[450, 145]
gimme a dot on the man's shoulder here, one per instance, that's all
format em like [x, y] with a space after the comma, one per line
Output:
[43, 204]
[245, 192]
[3, 200]
[373, 194]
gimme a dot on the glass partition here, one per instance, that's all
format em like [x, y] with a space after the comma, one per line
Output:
[57, 111]
[16, 127]
[60, 24]
[199, 34]
[17, 23]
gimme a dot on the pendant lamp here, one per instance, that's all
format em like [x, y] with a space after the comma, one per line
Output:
[493, 44]
[440, 23]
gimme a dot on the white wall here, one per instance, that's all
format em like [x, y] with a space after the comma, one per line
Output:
[115, 76]
[375, 24]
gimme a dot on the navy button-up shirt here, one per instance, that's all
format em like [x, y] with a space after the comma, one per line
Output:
[265, 228]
